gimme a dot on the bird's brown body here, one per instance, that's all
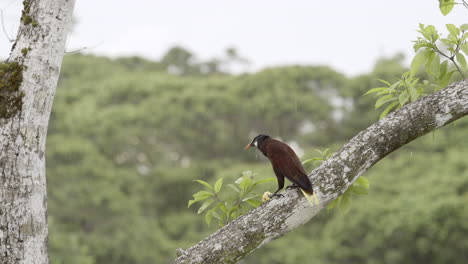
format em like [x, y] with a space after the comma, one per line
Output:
[284, 161]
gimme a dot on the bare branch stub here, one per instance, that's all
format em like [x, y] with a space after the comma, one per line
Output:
[11, 40]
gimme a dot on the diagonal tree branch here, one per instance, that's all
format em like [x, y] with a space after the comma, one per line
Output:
[281, 215]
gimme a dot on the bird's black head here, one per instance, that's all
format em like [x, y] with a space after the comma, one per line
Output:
[257, 141]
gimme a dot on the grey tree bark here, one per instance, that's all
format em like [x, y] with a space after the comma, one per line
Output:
[278, 216]
[28, 80]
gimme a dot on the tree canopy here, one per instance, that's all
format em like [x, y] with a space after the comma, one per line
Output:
[128, 136]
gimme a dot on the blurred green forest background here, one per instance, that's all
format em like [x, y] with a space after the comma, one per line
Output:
[128, 136]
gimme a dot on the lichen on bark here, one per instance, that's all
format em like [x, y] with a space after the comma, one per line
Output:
[11, 98]
[25, 17]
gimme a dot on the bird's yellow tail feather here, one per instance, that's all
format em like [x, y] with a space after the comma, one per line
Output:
[311, 198]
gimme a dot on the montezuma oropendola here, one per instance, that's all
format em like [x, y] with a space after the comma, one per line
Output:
[285, 164]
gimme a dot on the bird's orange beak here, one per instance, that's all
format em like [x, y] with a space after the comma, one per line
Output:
[248, 146]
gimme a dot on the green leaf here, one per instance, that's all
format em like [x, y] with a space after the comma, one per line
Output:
[345, 203]
[464, 48]
[414, 95]
[450, 43]
[464, 37]
[271, 179]
[232, 209]
[334, 203]
[205, 184]
[443, 69]
[432, 63]
[235, 214]
[312, 159]
[234, 187]
[446, 79]
[403, 98]
[254, 202]
[232, 212]
[388, 91]
[360, 190]
[203, 194]
[246, 184]
[429, 32]
[199, 196]
[388, 109]
[404, 76]
[204, 206]
[417, 62]
[446, 6]
[464, 27]
[374, 90]
[215, 214]
[218, 185]
[222, 207]
[453, 39]
[238, 181]
[384, 99]
[422, 44]
[248, 174]
[208, 217]
[384, 82]
[190, 202]
[422, 30]
[249, 197]
[434, 67]
[453, 29]
[461, 60]
[429, 58]
[362, 181]
[394, 86]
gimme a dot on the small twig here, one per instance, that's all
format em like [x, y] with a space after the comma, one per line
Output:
[83, 48]
[458, 68]
[76, 51]
[465, 4]
[457, 49]
[451, 58]
[440, 52]
[3, 27]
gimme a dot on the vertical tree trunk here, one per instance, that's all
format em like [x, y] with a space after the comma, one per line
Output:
[28, 80]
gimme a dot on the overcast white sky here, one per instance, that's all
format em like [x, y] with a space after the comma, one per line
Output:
[347, 35]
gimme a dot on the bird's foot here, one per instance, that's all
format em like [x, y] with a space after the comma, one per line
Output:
[266, 196]
[292, 186]
[276, 195]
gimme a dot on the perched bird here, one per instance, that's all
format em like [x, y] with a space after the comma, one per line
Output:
[285, 164]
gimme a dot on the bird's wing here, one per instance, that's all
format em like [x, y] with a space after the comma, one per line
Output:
[286, 161]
